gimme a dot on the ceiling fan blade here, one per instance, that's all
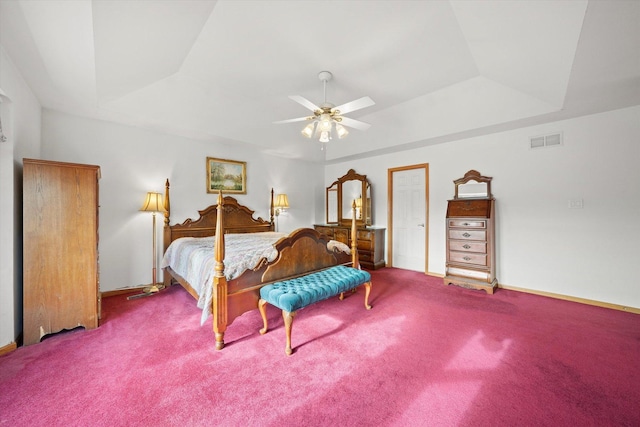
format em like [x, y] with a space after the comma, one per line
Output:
[354, 105]
[299, 119]
[356, 124]
[305, 102]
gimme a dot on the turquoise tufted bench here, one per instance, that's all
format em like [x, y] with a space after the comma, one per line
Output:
[293, 294]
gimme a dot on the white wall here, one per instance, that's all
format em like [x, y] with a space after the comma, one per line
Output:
[542, 245]
[21, 124]
[134, 161]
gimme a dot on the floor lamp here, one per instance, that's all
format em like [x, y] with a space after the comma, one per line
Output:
[281, 206]
[154, 204]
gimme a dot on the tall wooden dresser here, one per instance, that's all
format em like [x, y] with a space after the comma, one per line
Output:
[60, 247]
[471, 235]
[370, 242]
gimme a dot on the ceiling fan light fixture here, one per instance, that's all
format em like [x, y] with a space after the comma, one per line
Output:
[308, 130]
[324, 136]
[341, 131]
[325, 122]
[327, 114]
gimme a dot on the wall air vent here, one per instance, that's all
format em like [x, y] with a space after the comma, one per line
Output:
[550, 140]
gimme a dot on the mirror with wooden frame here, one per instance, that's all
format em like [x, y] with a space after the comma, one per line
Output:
[348, 189]
[332, 204]
[473, 186]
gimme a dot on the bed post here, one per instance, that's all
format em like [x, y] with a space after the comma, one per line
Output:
[354, 238]
[219, 302]
[167, 204]
[271, 211]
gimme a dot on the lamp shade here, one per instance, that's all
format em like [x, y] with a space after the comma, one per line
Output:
[282, 201]
[324, 136]
[341, 130]
[308, 130]
[153, 203]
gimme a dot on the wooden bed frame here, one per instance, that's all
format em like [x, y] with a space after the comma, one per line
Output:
[303, 251]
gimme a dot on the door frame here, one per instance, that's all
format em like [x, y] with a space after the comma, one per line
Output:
[390, 173]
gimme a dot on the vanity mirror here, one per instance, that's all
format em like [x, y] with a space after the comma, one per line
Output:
[332, 204]
[348, 189]
[341, 194]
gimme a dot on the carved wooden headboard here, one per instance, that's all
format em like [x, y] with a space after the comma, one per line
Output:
[236, 219]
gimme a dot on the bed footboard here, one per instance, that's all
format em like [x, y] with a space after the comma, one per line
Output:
[303, 251]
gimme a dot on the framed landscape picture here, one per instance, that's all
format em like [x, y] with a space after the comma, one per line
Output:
[230, 176]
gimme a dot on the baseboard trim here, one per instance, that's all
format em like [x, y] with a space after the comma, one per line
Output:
[562, 297]
[116, 292]
[573, 299]
[8, 348]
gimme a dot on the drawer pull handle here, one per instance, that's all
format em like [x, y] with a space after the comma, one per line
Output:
[465, 223]
[466, 235]
[467, 258]
[466, 246]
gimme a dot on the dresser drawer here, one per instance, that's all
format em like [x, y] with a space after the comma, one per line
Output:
[462, 246]
[485, 276]
[365, 256]
[364, 245]
[468, 223]
[341, 236]
[364, 235]
[478, 208]
[467, 234]
[468, 258]
[327, 231]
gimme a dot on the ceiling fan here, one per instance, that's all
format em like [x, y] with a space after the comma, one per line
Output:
[327, 116]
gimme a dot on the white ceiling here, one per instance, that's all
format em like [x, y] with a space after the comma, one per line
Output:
[223, 70]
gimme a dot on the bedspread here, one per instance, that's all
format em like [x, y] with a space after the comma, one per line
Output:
[193, 259]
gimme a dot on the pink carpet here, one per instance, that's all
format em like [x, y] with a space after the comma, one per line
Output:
[425, 355]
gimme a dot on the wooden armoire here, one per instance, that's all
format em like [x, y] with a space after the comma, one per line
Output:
[60, 248]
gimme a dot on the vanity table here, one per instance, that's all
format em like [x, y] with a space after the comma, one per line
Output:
[340, 197]
[470, 225]
[370, 242]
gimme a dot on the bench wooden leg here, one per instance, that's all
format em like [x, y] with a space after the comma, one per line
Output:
[288, 321]
[367, 291]
[262, 306]
[351, 291]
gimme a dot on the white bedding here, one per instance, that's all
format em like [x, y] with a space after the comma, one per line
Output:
[193, 259]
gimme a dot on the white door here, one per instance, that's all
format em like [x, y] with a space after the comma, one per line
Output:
[409, 218]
